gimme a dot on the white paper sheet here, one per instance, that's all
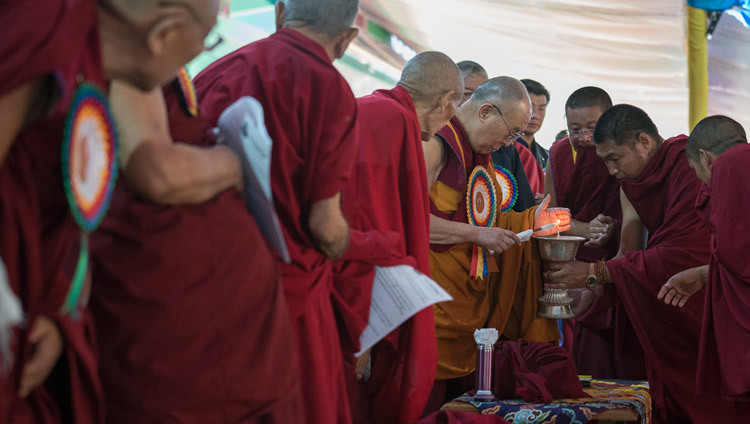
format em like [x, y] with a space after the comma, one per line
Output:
[11, 315]
[398, 293]
[242, 128]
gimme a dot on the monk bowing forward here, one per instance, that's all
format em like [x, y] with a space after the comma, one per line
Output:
[658, 189]
[503, 294]
[718, 152]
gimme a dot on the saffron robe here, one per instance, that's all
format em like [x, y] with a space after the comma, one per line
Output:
[534, 172]
[39, 240]
[189, 312]
[725, 336]
[505, 300]
[604, 344]
[388, 193]
[311, 116]
[663, 196]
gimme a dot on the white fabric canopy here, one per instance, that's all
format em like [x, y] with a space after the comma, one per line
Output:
[636, 50]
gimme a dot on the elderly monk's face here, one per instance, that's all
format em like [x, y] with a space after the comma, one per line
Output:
[625, 160]
[187, 40]
[146, 48]
[581, 123]
[438, 117]
[495, 130]
[702, 171]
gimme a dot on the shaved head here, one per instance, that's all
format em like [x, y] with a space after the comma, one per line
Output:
[587, 97]
[496, 114]
[329, 17]
[435, 86]
[714, 134]
[429, 75]
[145, 42]
[470, 68]
[501, 91]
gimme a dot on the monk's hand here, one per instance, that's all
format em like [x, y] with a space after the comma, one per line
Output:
[582, 299]
[601, 230]
[46, 347]
[567, 275]
[544, 216]
[496, 240]
[539, 198]
[362, 362]
[682, 285]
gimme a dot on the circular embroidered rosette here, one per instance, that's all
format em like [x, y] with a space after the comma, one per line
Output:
[481, 200]
[89, 156]
[188, 98]
[508, 188]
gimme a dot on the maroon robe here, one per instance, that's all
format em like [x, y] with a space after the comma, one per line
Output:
[311, 115]
[40, 239]
[678, 239]
[388, 192]
[192, 323]
[604, 343]
[724, 358]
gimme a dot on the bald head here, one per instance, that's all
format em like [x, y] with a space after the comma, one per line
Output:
[435, 86]
[496, 114]
[329, 17]
[473, 75]
[429, 75]
[714, 134]
[501, 91]
[469, 68]
[171, 33]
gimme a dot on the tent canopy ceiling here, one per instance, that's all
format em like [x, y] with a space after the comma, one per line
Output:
[636, 50]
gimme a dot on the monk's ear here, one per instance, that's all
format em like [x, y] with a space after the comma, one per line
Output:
[165, 34]
[645, 141]
[484, 111]
[280, 9]
[343, 40]
[706, 159]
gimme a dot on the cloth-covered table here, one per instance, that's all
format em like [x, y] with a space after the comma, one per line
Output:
[610, 400]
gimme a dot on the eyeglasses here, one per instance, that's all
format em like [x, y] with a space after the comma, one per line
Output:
[581, 132]
[512, 136]
[213, 40]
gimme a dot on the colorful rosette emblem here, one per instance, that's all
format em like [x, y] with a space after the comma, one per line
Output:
[89, 171]
[188, 98]
[481, 201]
[508, 188]
[481, 209]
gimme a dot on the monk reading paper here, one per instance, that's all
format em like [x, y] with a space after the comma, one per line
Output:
[718, 152]
[388, 192]
[658, 189]
[58, 59]
[504, 293]
[602, 339]
[311, 116]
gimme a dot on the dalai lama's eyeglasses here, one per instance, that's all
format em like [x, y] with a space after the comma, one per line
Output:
[512, 136]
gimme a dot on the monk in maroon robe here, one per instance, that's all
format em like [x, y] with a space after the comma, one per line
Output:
[311, 116]
[658, 189]
[601, 337]
[718, 152]
[534, 172]
[175, 324]
[70, 45]
[388, 193]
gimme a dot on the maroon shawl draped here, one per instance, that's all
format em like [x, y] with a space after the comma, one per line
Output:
[678, 239]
